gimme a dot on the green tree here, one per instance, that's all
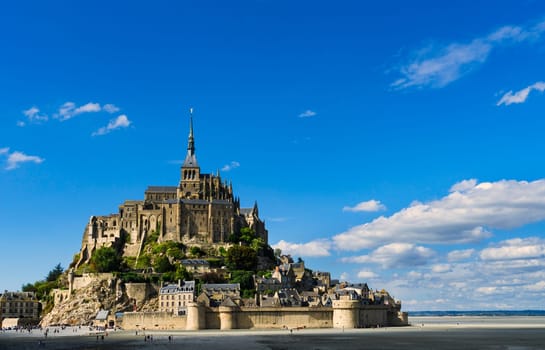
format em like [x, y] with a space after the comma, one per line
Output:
[144, 261]
[179, 274]
[222, 251]
[175, 253]
[196, 252]
[162, 264]
[55, 273]
[245, 278]
[105, 259]
[212, 277]
[257, 244]
[247, 234]
[241, 257]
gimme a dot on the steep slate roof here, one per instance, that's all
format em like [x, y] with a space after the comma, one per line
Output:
[221, 286]
[195, 262]
[162, 189]
[187, 286]
[102, 315]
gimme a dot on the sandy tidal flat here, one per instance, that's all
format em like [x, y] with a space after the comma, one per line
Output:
[426, 333]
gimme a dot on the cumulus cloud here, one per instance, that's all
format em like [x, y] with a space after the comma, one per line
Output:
[34, 116]
[69, 110]
[457, 255]
[441, 268]
[16, 158]
[368, 206]
[118, 123]
[520, 96]
[366, 274]
[315, 248]
[232, 165]
[463, 185]
[345, 276]
[307, 114]
[517, 248]
[460, 217]
[438, 66]
[394, 255]
[110, 108]
[515, 278]
[536, 287]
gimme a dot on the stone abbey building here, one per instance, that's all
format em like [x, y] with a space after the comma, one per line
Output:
[201, 210]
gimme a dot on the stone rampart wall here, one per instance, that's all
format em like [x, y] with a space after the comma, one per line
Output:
[287, 317]
[266, 318]
[153, 321]
[373, 316]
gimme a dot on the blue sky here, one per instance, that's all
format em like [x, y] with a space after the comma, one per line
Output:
[394, 144]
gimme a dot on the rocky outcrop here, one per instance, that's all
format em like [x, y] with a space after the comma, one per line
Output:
[81, 307]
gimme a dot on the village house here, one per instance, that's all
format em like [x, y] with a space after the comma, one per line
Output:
[174, 298]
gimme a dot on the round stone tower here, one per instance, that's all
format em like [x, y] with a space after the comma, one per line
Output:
[228, 318]
[195, 317]
[346, 313]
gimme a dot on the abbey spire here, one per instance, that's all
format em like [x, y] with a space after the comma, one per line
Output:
[190, 158]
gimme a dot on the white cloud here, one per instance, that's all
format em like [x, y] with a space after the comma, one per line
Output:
[33, 114]
[516, 278]
[439, 66]
[463, 185]
[69, 110]
[517, 248]
[459, 217]
[110, 108]
[120, 122]
[441, 268]
[368, 206]
[307, 114]
[16, 158]
[394, 255]
[487, 290]
[20, 123]
[230, 166]
[66, 111]
[536, 287]
[345, 276]
[86, 108]
[366, 274]
[521, 95]
[457, 255]
[310, 249]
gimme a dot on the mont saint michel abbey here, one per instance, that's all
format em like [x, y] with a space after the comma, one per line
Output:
[201, 210]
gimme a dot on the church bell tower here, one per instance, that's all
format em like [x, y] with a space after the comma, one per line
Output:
[189, 186]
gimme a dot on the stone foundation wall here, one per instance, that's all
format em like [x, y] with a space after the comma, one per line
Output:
[140, 292]
[351, 315]
[153, 321]
[88, 278]
[288, 317]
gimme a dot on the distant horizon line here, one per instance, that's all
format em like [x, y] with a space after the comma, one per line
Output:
[492, 312]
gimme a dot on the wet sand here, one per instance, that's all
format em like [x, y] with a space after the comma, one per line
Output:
[454, 333]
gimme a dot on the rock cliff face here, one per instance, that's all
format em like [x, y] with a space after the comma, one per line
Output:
[82, 306]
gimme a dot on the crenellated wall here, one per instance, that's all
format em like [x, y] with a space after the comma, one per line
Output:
[347, 315]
